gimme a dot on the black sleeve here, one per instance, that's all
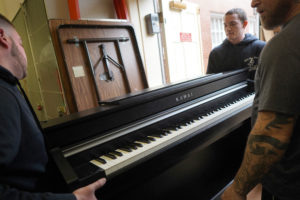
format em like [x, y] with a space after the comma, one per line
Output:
[10, 128]
[211, 67]
[10, 138]
[260, 45]
[8, 193]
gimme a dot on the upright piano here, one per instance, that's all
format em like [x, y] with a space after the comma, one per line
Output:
[181, 141]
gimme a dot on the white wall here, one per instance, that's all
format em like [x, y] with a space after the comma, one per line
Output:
[148, 44]
[2, 7]
[97, 9]
[57, 9]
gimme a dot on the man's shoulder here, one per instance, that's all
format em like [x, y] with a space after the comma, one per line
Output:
[283, 40]
[252, 40]
[259, 43]
[7, 92]
[289, 35]
[256, 41]
[221, 47]
[6, 87]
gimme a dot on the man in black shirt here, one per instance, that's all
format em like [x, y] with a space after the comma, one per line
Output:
[272, 154]
[238, 50]
[23, 156]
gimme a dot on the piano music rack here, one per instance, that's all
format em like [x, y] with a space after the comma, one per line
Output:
[97, 60]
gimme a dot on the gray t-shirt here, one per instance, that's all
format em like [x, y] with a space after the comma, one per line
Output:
[277, 88]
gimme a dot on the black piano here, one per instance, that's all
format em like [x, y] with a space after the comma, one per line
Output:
[181, 141]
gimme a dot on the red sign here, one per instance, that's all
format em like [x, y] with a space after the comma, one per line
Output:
[185, 37]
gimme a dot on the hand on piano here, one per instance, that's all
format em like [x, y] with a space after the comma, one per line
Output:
[88, 192]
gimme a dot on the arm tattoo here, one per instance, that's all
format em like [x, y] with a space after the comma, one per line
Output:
[257, 149]
[280, 119]
[263, 150]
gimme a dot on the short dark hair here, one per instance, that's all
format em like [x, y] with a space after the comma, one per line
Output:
[240, 12]
[5, 21]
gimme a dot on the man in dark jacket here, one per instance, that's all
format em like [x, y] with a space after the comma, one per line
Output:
[239, 50]
[23, 156]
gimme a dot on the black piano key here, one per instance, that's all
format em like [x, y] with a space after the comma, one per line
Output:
[191, 122]
[137, 144]
[151, 138]
[110, 156]
[101, 160]
[182, 124]
[144, 140]
[165, 133]
[133, 146]
[128, 146]
[117, 153]
[159, 135]
[125, 149]
[169, 129]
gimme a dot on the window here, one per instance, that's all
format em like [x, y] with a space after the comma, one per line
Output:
[253, 26]
[217, 29]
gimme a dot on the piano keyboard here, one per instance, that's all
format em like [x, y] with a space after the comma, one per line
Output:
[139, 149]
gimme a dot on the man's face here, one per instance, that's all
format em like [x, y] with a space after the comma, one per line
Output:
[273, 13]
[234, 28]
[18, 54]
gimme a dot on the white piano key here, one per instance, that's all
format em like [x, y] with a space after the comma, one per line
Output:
[113, 165]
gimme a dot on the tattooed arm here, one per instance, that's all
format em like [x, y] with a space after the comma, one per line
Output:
[267, 142]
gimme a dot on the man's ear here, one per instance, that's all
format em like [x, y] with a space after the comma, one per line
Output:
[245, 24]
[3, 38]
